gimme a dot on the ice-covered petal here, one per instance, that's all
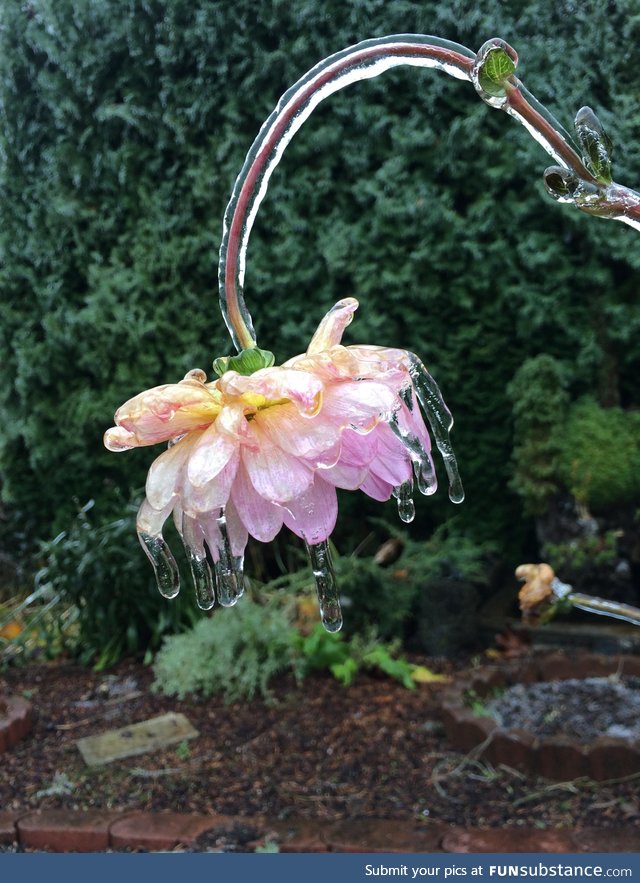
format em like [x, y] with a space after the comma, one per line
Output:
[275, 474]
[376, 488]
[269, 386]
[227, 538]
[344, 476]
[149, 524]
[164, 412]
[238, 535]
[119, 439]
[150, 520]
[312, 516]
[358, 404]
[165, 473]
[210, 455]
[286, 427]
[261, 518]
[214, 494]
[331, 328]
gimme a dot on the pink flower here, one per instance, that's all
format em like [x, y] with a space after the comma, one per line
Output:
[249, 453]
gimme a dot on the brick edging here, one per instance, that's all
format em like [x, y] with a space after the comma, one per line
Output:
[60, 830]
[16, 720]
[559, 758]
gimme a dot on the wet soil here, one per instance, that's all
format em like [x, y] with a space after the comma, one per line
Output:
[319, 751]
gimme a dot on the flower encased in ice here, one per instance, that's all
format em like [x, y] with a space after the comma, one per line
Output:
[250, 453]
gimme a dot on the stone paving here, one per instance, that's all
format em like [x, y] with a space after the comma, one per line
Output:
[99, 831]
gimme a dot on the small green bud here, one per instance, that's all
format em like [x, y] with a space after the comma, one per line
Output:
[495, 67]
[596, 144]
[247, 362]
[561, 183]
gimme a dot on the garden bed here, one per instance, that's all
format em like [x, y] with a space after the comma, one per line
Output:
[558, 716]
[319, 751]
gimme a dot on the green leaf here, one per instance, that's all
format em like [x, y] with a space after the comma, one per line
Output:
[497, 67]
[346, 671]
[247, 362]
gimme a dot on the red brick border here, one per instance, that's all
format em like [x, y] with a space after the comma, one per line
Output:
[16, 720]
[62, 830]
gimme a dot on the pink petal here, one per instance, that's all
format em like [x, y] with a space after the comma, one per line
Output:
[302, 436]
[358, 450]
[277, 384]
[312, 515]
[275, 474]
[376, 488]
[331, 329]
[166, 472]
[262, 519]
[213, 495]
[164, 412]
[210, 455]
[392, 462]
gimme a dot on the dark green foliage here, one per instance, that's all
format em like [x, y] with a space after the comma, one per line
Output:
[123, 127]
[540, 402]
[99, 569]
[584, 552]
[600, 455]
[447, 620]
[389, 598]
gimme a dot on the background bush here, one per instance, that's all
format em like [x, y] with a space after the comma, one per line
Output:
[123, 127]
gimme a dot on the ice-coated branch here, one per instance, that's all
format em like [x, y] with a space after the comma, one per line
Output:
[582, 176]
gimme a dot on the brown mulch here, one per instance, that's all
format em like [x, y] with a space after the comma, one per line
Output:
[318, 751]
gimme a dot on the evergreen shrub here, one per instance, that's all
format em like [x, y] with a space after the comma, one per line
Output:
[600, 457]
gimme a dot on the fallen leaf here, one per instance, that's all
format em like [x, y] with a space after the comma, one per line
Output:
[11, 630]
[422, 675]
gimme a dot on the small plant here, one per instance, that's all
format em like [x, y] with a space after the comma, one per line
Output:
[239, 656]
[183, 752]
[344, 659]
[478, 704]
[233, 655]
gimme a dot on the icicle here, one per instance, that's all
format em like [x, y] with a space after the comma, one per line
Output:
[193, 538]
[406, 507]
[421, 458]
[440, 420]
[326, 585]
[228, 568]
[164, 564]
[202, 579]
